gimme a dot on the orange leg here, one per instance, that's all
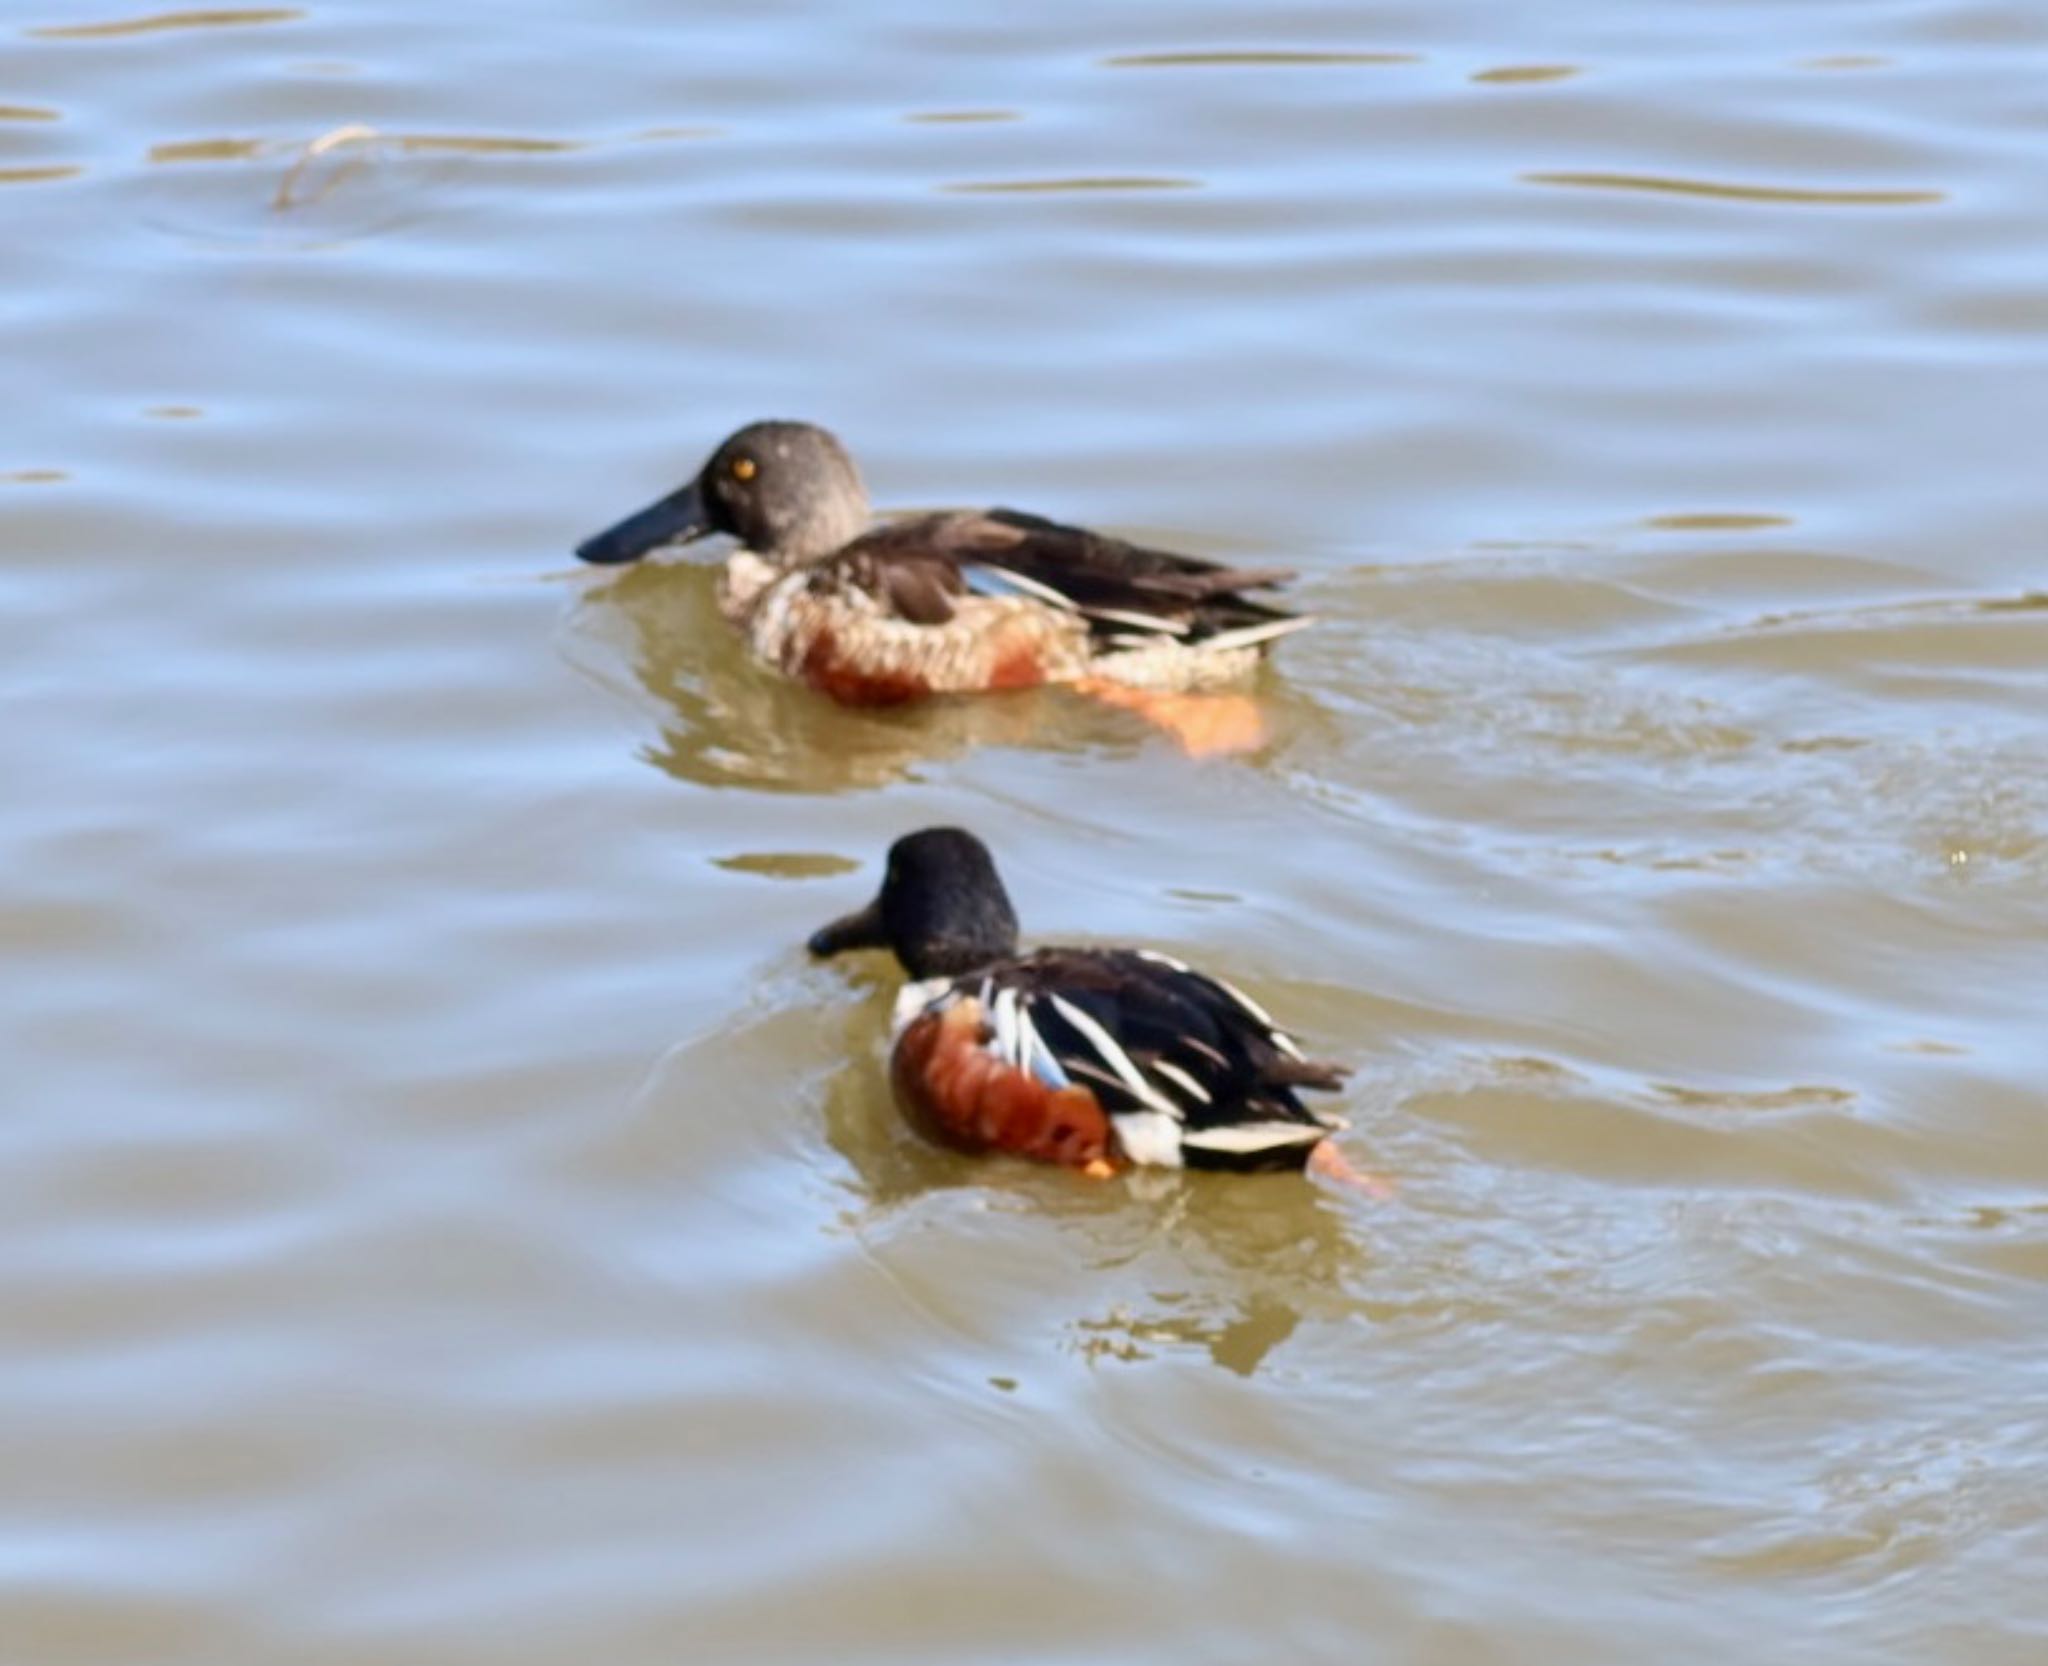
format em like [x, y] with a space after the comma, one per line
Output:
[1205, 725]
[1331, 1163]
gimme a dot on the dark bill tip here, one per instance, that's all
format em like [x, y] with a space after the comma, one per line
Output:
[861, 930]
[676, 519]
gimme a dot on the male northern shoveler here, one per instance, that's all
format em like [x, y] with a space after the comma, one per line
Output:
[1093, 1058]
[949, 603]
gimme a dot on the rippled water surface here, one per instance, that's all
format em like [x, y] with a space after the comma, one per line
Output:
[443, 1218]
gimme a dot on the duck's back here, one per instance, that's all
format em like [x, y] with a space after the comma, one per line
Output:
[965, 601]
[1073, 1055]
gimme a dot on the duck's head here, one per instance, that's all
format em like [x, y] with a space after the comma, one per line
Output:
[785, 489]
[942, 910]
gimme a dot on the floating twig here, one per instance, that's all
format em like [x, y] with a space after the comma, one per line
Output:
[354, 132]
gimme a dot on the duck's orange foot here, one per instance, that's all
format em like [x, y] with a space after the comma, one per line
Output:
[1098, 1168]
[1331, 1164]
[1204, 725]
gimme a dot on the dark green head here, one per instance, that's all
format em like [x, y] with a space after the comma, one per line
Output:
[942, 909]
[785, 489]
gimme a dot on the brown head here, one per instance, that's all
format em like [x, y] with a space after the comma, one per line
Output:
[787, 490]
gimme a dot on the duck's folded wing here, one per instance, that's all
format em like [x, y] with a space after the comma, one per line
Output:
[1188, 1071]
[1130, 584]
[909, 577]
[1007, 552]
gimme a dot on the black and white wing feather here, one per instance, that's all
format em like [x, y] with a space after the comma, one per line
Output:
[1191, 1071]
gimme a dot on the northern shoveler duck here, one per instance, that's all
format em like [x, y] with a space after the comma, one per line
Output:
[948, 603]
[1092, 1058]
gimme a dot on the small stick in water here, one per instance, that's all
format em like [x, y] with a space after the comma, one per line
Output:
[352, 133]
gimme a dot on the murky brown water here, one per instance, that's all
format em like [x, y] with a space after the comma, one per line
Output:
[444, 1219]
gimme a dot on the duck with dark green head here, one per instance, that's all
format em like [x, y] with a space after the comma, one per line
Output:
[1095, 1058]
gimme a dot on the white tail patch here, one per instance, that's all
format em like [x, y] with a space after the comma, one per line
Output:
[1247, 636]
[1149, 1137]
[1248, 1137]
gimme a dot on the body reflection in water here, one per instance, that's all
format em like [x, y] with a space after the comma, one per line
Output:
[728, 721]
[763, 1162]
[1152, 1264]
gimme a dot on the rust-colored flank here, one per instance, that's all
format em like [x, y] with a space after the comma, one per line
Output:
[840, 677]
[959, 1094]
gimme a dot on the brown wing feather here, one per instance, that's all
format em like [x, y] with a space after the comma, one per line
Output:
[1112, 572]
[921, 589]
[918, 581]
[916, 564]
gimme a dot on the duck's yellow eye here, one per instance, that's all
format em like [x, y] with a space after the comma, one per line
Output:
[743, 468]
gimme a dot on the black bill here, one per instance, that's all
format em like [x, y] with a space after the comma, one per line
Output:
[676, 519]
[861, 930]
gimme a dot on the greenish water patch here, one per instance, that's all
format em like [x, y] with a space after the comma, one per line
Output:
[787, 864]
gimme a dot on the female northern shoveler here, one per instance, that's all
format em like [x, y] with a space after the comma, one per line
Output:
[1094, 1058]
[949, 603]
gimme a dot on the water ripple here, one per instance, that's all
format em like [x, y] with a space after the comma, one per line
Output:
[1078, 183]
[160, 21]
[1166, 60]
[40, 176]
[1673, 186]
[444, 1216]
[1526, 74]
